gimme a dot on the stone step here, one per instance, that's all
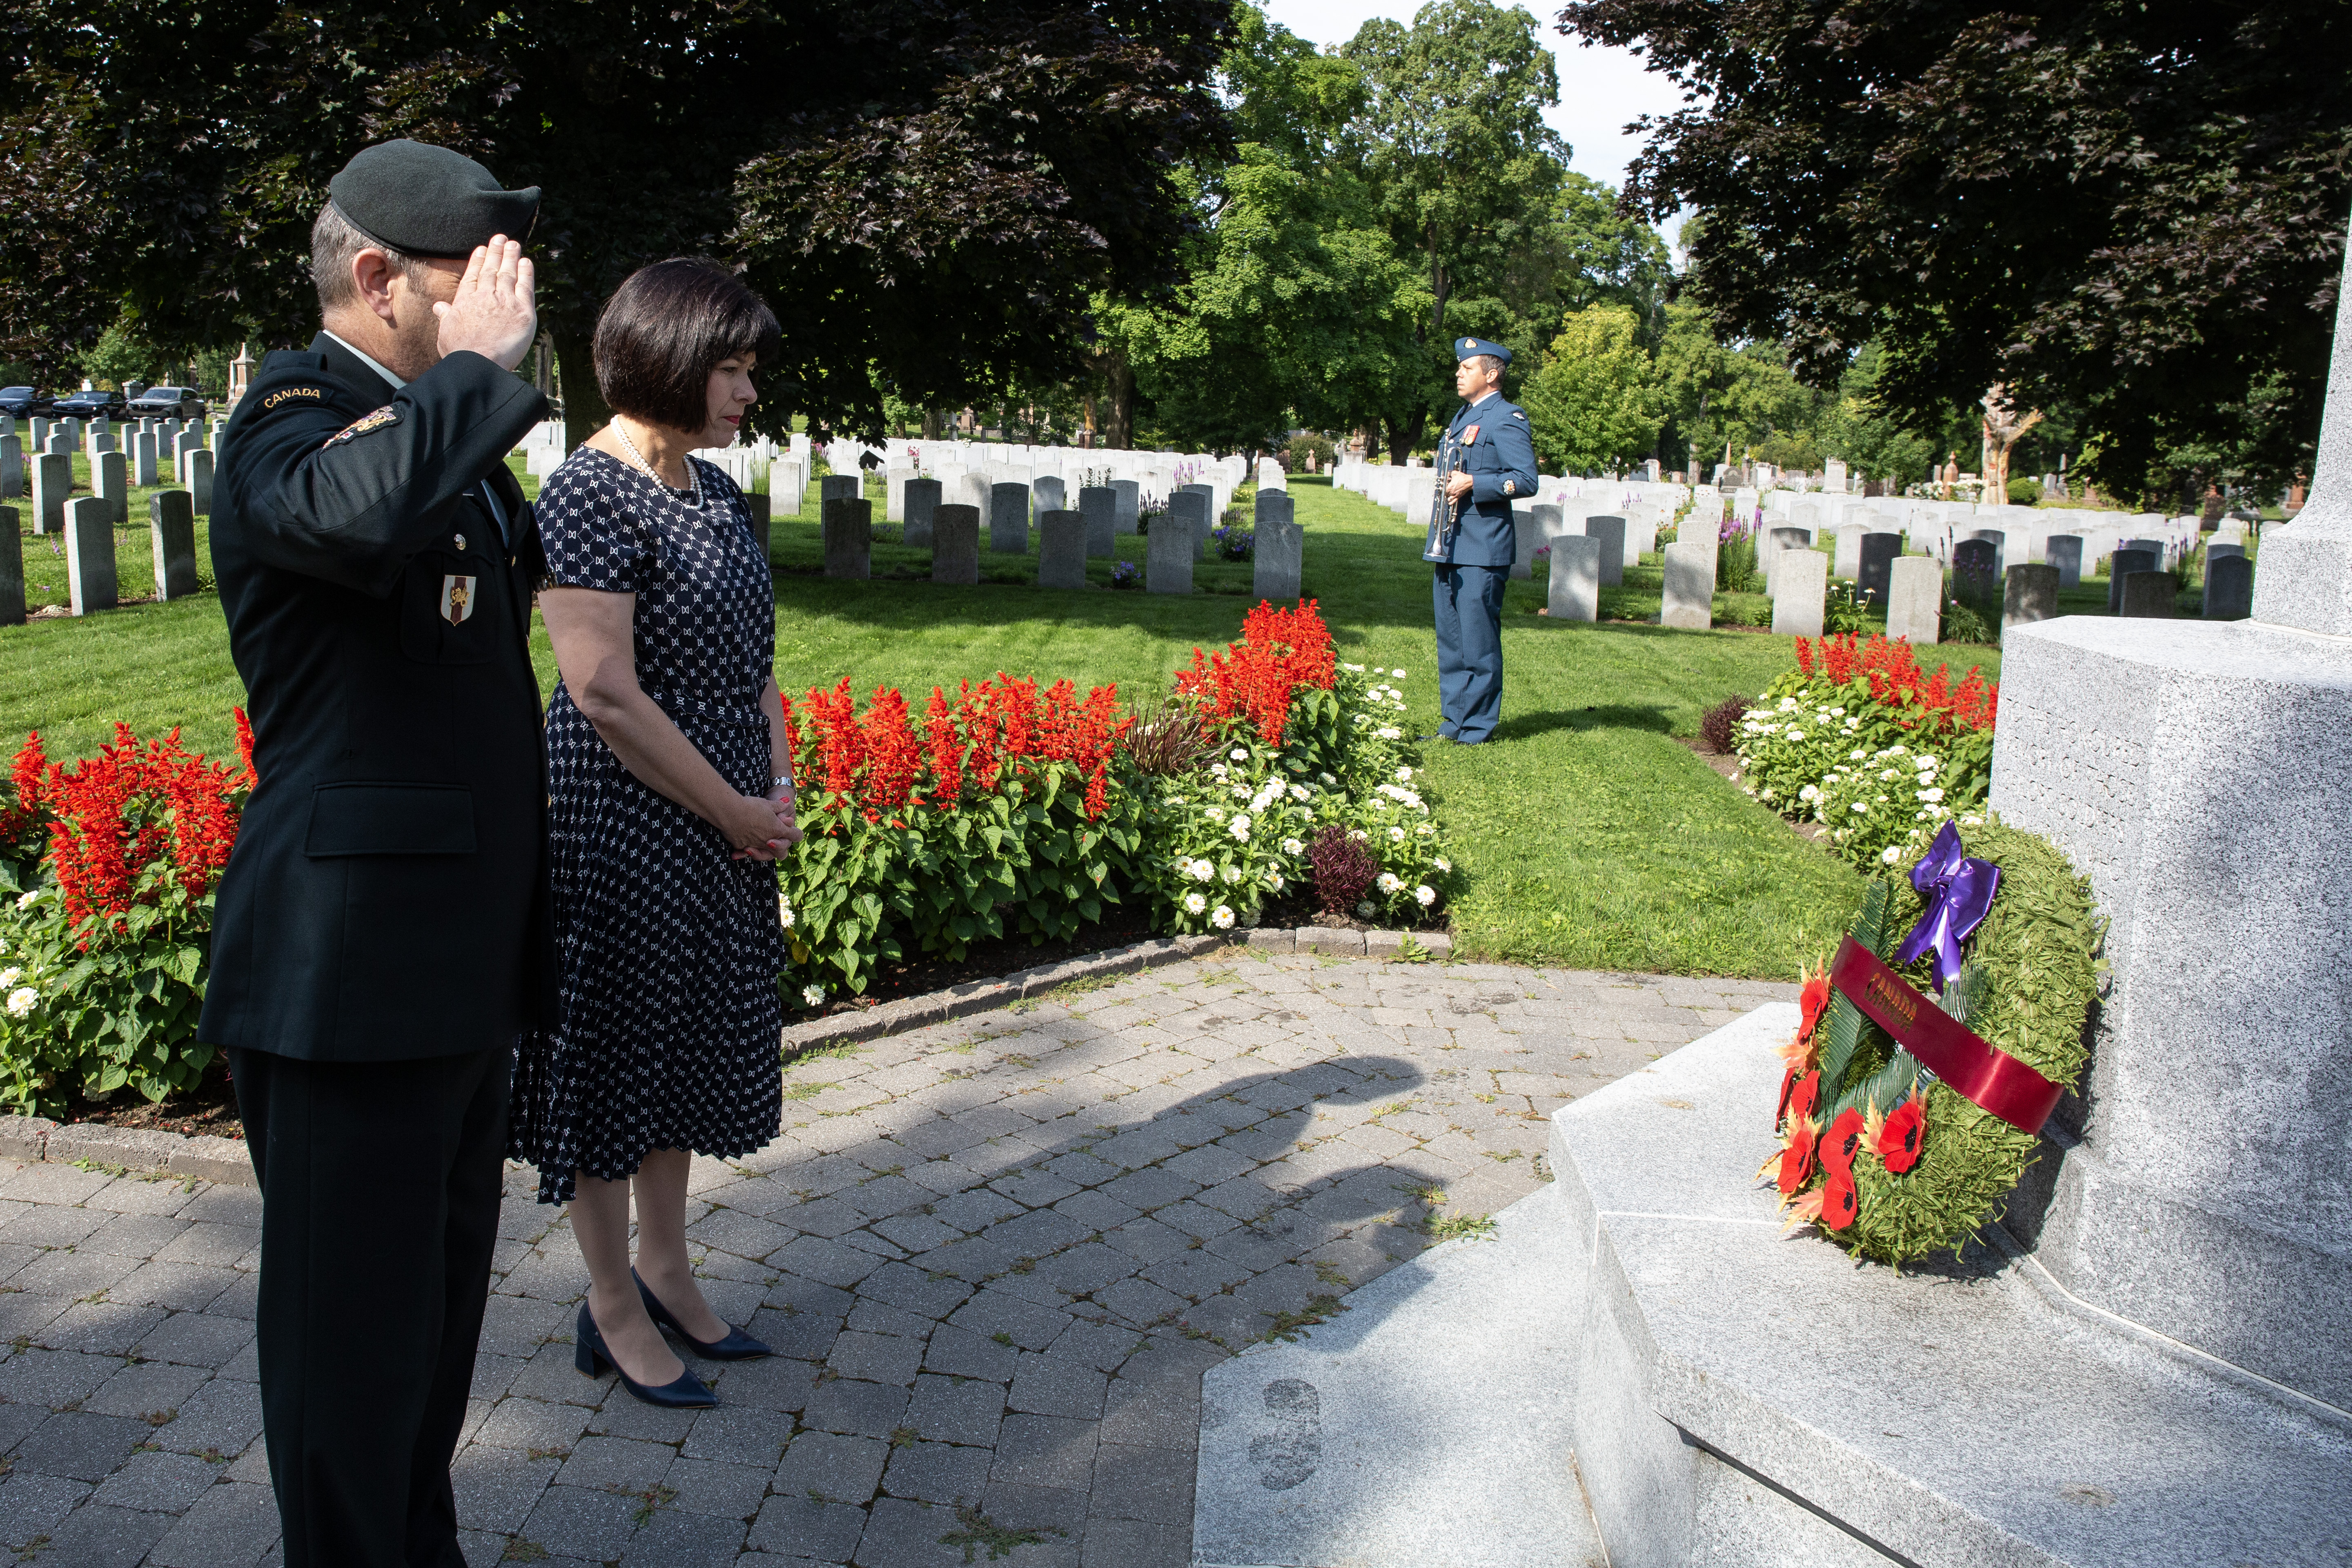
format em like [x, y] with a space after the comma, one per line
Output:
[1425, 1426]
[1748, 1396]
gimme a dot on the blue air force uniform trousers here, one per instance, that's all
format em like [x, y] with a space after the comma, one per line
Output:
[1472, 561]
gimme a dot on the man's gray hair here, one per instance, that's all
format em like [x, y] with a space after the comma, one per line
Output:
[335, 240]
[1489, 364]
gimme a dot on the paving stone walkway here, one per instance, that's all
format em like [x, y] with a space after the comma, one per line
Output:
[995, 1256]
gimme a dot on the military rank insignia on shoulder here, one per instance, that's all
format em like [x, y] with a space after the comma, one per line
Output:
[1517, 415]
[387, 414]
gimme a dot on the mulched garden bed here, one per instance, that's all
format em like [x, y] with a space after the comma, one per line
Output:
[210, 1107]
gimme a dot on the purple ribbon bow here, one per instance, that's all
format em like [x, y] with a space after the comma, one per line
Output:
[1958, 891]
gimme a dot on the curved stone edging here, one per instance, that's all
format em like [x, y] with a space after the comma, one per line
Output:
[207, 1157]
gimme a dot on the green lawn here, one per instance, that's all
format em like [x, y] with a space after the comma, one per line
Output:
[1589, 837]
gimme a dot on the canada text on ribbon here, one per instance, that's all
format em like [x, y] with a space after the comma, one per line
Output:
[1986, 1076]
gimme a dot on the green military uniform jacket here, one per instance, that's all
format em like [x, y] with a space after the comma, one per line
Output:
[388, 895]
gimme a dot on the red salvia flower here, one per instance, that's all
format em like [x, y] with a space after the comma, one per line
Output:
[946, 747]
[893, 760]
[129, 810]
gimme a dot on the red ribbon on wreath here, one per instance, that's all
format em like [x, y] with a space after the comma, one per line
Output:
[1986, 1076]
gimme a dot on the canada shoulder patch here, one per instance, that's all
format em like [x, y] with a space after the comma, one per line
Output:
[283, 394]
[387, 414]
[1516, 414]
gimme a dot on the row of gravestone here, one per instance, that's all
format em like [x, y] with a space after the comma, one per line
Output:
[112, 483]
[90, 579]
[1065, 540]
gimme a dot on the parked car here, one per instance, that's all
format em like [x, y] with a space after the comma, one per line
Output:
[168, 403]
[25, 402]
[90, 405]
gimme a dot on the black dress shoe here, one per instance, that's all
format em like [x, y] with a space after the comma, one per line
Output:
[737, 1346]
[589, 1356]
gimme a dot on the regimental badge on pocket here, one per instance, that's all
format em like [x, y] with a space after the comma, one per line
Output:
[457, 599]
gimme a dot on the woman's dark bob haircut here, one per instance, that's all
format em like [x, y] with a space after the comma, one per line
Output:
[665, 329]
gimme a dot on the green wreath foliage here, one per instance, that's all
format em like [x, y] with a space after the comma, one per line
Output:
[2028, 978]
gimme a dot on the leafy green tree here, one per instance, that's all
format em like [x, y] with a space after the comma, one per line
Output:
[931, 192]
[2136, 208]
[1594, 405]
[1462, 168]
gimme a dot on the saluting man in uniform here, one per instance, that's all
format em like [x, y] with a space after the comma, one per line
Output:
[383, 932]
[1488, 460]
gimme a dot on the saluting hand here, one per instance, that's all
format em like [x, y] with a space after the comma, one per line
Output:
[493, 314]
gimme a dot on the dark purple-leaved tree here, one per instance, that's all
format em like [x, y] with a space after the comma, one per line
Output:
[2136, 208]
[928, 191]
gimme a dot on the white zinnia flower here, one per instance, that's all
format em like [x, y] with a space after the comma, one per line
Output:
[1215, 814]
[1811, 791]
[1194, 903]
[812, 996]
[1859, 806]
[20, 1001]
[1327, 779]
[1425, 895]
[1389, 733]
[1889, 855]
[1238, 755]
[1854, 755]
[1404, 775]
[1233, 873]
[1241, 791]
[1293, 846]
[1931, 795]
[1202, 871]
[1398, 673]
[1240, 828]
[1222, 919]
[11, 976]
[1796, 734]
[1358, 835]
[1273, 879]
[26, 900]
[1396, 834]
[1443, 864]
[783, 914]
[1299, 794]
[1217, 770]
[1389, 883]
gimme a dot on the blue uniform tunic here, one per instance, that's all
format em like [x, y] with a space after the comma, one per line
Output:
[1470, 555]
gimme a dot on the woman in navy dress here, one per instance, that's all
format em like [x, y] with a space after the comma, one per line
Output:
[670, 788]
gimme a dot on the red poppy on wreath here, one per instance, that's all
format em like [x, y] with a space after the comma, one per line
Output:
[1813, 1000]
[1804, 1097]
[1840, 1202]
[1787, 1085]
[1899, 1140]
[1797, 1159]
[1839, 1143]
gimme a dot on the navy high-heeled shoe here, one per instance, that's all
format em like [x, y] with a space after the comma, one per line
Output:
[590, 1357]
[737, 1346]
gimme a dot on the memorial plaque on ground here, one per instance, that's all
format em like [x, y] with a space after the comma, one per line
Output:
[172, 531]
[849, 528]
[955, 543]
[1061, 548]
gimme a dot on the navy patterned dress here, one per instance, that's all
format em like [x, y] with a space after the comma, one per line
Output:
[666, 1035]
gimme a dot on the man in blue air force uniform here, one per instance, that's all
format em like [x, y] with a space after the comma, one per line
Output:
[1487, 462]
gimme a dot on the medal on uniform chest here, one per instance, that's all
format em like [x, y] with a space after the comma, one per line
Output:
[456, 599]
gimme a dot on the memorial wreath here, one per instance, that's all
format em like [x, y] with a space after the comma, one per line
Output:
[1906, 1120]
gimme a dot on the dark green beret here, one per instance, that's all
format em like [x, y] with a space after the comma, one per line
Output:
[428, 201]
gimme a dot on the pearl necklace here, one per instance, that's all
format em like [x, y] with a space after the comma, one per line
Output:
[639, 457]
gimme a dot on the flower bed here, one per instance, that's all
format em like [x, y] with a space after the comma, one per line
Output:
[1002, 810]
[109, 863]
[1860, 740]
